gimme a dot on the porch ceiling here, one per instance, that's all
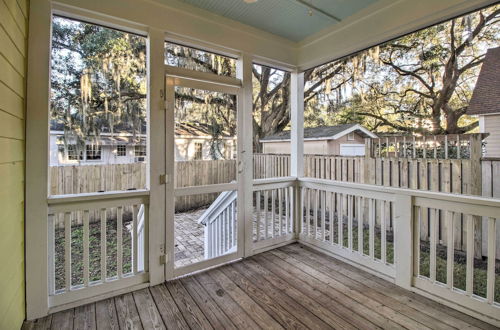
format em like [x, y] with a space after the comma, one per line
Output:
[290, 19]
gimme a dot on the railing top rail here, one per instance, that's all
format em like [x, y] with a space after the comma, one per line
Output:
[258, 182]
[274, 183]
[97, 196]
[457, 198]
[205, 189]
[94, 201]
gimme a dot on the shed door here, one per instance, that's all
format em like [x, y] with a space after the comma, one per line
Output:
[352, 149]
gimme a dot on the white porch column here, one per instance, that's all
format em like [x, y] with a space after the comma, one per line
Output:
[156, 153]
[297, 140]
[297, 120]
[37, 148]
[245, 152]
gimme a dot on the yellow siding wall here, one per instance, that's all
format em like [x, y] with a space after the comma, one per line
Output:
[13, 51]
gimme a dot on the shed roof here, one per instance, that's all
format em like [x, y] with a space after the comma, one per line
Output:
[486, 96]
[323, 133]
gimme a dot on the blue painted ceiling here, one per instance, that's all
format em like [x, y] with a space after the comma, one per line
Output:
[287, 18]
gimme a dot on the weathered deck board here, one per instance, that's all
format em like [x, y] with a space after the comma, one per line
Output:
[128, 317]
[291, 287]
[190, 310]
[105, 314]
[212, 311]
[239, 317]
[375, 295]
[148, 312]
[169, 311]
[403, 297]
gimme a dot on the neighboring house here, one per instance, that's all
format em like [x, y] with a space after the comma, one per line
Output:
[191, 143]
[106, 149]
[485, 101]
[343, 140]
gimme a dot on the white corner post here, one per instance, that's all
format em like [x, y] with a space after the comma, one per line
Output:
[169, 128]
[156, 152]
[245, 154]
[297, 138]
[403, 240]
[37, 149]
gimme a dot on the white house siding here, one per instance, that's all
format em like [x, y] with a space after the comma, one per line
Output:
[319, 147]
[491, 124]
[334, 145]
[108, 155]
[185, 148]
[278, 147]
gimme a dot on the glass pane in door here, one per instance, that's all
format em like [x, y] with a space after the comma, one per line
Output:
[205, 137]
[205, 227]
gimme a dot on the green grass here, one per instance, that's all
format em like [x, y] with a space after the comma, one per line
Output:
[459, 271]
[459, 268]
[94, 252]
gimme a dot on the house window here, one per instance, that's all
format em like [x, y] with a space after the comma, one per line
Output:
[93, 152]
[140, 151]
[198, 151]
[121, 150]
[73, 153]
[350, 136]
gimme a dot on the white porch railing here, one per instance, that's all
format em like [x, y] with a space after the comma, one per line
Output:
[104, 252]
[353, 223]
[220, 221]
[376, 228]
[379, 229]
[273, 220]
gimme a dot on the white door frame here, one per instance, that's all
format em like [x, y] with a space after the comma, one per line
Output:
[198, 80]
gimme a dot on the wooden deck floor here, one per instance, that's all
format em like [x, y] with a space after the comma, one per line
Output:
[291, 287]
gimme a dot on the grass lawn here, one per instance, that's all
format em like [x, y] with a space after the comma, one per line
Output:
[459, 270]
[459, 266]
[94, 251]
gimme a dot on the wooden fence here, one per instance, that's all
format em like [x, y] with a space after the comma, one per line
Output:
[198, 173]
[471, 176]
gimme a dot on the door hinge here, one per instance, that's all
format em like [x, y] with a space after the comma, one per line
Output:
[163, 256]
[163, 259]
[163, 179]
